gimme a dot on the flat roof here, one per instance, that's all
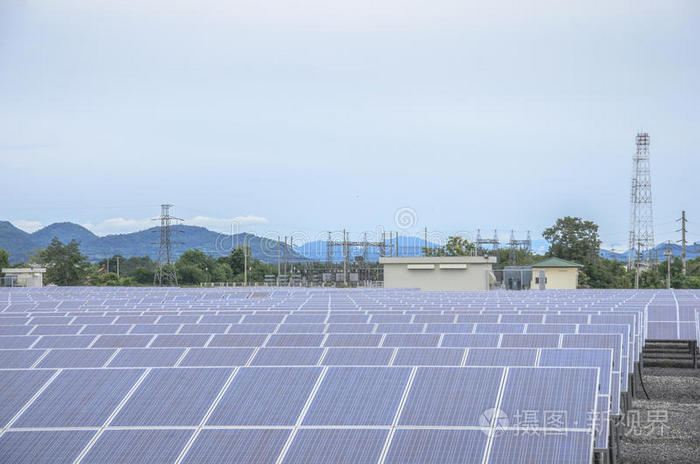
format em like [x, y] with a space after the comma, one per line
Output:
[438, 260]
[23, 270]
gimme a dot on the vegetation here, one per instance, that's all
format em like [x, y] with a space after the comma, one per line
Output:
[570, 238]
[65, 264]
[4, 260]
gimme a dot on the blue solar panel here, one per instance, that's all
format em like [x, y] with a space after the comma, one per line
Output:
[358, 396]
[67, 358]
[137, 447]
[287, 356]
[399, 328]
[279, 395]
[451, 396]
[17, 359]
[259, 446]
[146, 357]
[47, 447]
[600, 358]
[470, 340]
[173, 397]
[65, 341]
[411, 340]
[155, 329]
[15, 329]
[309, 340]
[122, 341]
[56, 330]
[16, 388]
[429, 357]
[301, 328]
[501, 357]
[180, 341]
[434, 446]
[17, 341]
[324, 446]
[512, 340]
[571, 391]
[253, 340]
[512, 446]
[358, 356]
[353, 340]
[217, 357]
[79, 398]
[105, 329]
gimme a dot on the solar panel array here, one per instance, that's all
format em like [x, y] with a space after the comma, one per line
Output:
[320, 375]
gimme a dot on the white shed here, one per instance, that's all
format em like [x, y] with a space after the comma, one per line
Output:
[439, 272]
[25, 276]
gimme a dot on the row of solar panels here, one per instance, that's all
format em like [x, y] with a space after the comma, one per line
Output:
[174, 340]
[319, 414]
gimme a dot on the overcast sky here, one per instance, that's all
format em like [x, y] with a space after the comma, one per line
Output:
[311, 115]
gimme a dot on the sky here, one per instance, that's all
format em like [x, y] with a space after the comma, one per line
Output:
[302, 116]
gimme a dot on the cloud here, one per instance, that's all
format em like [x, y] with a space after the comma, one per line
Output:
[122, 225]
[225, 225]
[27, 226]
[118, 226]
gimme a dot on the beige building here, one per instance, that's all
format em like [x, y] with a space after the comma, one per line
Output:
[439, 273]
[24, 276]
[555, 273]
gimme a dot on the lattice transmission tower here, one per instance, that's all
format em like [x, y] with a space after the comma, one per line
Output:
[641, 240]
[166, 271]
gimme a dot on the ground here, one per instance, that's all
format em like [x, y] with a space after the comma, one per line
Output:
[666, 428]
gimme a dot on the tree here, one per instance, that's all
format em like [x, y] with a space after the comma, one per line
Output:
[573, 239]
[143, 275]
[455, 246]
[4, 260]
[65, 264]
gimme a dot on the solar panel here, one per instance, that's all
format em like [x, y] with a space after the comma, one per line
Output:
[429, 357]
[137, 446]
[45, 447]
[511, 446]
[16, 388]
[79, 398]
[280, 394]
[358, 396]
[260, 446]
[287, 356]
[172, 397]
[325, 375]
[450, 396]
[323, 446]
[358, 356]
[436, 446]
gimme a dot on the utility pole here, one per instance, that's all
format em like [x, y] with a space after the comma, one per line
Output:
[668, 265]
[345, 258]
[285, 255]
[425, 252]
[683, 231]
[279, 254]
[117, 266]
[397, 244]
[291, 271]
[245, 260]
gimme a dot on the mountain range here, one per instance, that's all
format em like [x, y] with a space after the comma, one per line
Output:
[21, 245]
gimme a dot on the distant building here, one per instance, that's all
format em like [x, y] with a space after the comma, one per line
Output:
[24, 277]
[439, 273]
[555, 273]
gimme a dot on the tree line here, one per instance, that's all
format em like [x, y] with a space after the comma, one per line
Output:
[570, 238]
